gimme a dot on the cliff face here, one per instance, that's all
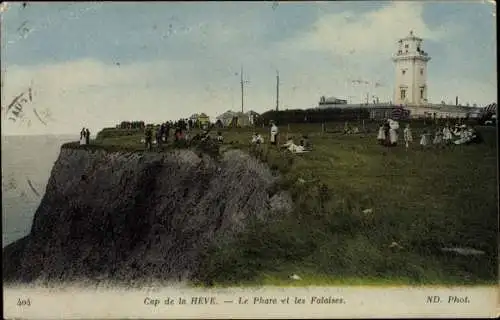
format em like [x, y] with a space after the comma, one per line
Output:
[125, 216]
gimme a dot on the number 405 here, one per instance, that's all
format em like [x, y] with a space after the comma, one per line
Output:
[24, 302]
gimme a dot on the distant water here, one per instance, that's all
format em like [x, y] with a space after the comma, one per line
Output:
[23, 158]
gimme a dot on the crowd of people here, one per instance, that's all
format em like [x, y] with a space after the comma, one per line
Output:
[181, 134]
[290, 145]
[458, 134]
[388, 135]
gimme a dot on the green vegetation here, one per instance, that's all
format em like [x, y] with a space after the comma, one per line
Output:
[422, 200]
[314, 115]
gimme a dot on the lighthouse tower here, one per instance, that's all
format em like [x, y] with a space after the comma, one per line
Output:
[411, 72]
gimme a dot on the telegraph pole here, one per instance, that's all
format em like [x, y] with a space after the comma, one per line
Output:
[241, 82]
[277, 90]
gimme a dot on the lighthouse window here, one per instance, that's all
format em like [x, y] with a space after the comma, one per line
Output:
[406, 46]
[421, 71]
[403, 71]
[421, 93]
[403, 94]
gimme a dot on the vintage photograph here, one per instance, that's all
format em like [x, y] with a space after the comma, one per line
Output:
[249, 144]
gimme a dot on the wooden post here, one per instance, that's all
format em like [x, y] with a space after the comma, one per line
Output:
[323, 128]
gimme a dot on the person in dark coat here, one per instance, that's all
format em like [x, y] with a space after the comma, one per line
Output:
[177, 134]
[166, 132]
[158, 137]
[87, 136]
[387, 129]
[149, 138]
[162, 132]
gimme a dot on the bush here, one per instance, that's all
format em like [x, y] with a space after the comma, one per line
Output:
[312, 116]
[114, 132]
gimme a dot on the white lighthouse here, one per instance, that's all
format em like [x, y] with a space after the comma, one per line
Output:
[411, 72]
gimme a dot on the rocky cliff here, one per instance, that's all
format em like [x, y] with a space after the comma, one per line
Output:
[124, 216]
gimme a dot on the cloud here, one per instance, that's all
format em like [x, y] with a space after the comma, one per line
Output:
[196, 68]
[359, 46]
[89, 92]
[373, 33]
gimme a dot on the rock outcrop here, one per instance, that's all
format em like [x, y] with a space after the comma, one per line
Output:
[124, 216]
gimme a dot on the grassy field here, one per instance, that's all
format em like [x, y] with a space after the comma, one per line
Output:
[422, 200]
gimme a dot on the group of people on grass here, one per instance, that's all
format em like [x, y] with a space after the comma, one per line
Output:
[162, 133]
[459, 134]
[303, 146]
[181, 128]
[387, 133]
[387, 136]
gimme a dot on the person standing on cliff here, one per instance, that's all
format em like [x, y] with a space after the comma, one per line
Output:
[82, 136]
[87, 136]
[158, 137]
[166, 132]
[149, 138]
[162, 132]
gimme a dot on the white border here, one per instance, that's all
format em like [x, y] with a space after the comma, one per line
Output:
[359, 302]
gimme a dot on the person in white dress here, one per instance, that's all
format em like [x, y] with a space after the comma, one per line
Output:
[447, 135]
[257, 139]
[438, 137]
[407, 135]
[274, 134]
[220, 138]
[381, 134]
[346, 128]
[83, 137]
[424, 139]
[463, 132]
[293, 148]
[456, 131]
[466, 135]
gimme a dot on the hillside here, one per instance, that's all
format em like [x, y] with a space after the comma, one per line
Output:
[418, 201]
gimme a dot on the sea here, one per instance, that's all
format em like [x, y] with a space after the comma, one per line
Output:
[26, 165]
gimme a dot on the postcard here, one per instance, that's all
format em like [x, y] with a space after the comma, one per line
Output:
[185, 160]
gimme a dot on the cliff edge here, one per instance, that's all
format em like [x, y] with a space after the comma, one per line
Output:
[123, 216]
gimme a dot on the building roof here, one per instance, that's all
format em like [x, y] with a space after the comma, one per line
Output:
[492, 107]
[411, 36]
[230, 114]
[330, 99]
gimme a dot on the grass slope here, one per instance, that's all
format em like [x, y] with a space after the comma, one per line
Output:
[421, 199]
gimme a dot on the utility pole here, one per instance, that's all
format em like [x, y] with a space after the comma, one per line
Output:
[277, 90]
[241, 82]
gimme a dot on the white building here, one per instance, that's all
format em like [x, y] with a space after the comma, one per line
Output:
[326, 102]
[411, 72]
[410, 89]
[238, 118]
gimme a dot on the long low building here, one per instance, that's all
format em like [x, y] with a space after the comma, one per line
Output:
[387, 110]
[439, 111]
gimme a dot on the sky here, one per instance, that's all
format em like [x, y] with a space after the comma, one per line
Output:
[96, 64]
